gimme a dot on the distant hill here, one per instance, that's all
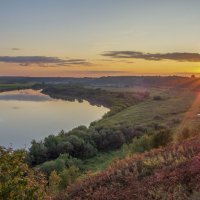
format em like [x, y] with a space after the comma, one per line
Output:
[115, 81]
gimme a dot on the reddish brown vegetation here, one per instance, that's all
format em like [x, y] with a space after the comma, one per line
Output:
[169, 173]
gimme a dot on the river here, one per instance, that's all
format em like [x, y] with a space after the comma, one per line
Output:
[28, 114]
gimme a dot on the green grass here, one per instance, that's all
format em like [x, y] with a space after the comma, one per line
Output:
[103, 160]
[174, 105]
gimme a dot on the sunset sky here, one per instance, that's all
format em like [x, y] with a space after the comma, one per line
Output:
[99, 37]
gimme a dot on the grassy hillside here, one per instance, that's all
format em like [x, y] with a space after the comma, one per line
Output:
[172, 105]
[167, 173]
[172, 108]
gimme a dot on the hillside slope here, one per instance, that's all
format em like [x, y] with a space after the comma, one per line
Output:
[169, 173]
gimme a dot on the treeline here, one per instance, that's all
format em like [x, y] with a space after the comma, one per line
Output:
[116, 101]
[116, 81]
[61, 158]
[83, 142]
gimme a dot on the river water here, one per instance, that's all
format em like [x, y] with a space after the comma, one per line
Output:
[28, 114]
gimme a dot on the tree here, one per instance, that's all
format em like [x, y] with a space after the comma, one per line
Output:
[17, 180]
[162, 138]
[69, 176]
[37, 153]
[54, 181]
[89, 150]
[51, 143]
[77, 144]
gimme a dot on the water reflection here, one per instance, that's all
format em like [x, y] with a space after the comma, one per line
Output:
[28, 114]
[24, 95]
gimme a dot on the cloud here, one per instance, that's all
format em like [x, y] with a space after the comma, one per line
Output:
[92, 73]
[42, 61]
[74, 62]
[105, 72]
[112, 60]
[15, 49]
[11, 49]
[176, 56]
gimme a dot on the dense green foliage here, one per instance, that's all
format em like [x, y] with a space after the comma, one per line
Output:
[84, 142]
[149, 141]
[62, 162]
[17, 180]
[69, 176]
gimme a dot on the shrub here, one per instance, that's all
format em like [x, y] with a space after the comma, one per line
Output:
[149, 141]
[57, 165]
[140, 144]
[69, 176]
[157, 98]
[186, 133]
[37, 153]
[54, 182]
[17, 180]
[161, 138]
[62, 162]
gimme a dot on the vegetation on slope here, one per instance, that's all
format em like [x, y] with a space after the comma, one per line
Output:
[17, 180]
[166, 173]
[138, 128]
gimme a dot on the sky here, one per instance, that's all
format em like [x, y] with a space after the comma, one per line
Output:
[79, 38]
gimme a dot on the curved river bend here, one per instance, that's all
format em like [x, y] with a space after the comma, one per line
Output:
[28, 114]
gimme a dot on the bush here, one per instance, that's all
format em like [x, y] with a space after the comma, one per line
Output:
[141, 144]
[37, 153]
[186, 133]
[157, 98]
[150, 141]
[54, 182]
[17, 180]
[69, 176]
[161, 138]
[57, 165]
[108, 139]
[62, 162]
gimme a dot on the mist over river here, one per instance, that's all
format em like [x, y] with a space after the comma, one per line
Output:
[28, 114]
